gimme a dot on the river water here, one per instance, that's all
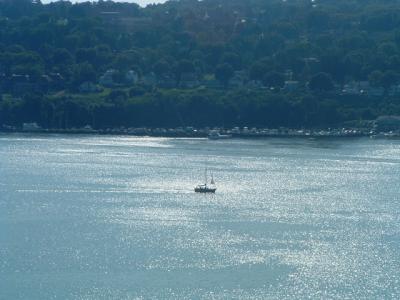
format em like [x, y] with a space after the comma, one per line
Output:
[115, 217]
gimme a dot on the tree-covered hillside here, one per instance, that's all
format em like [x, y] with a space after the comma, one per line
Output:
[297, 63]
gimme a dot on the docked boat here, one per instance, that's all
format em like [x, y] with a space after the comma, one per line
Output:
[206, 188]
[215, 135]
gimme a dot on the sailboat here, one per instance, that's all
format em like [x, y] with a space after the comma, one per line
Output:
[205, 188]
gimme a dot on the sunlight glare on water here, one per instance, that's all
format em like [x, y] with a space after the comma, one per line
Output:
[115, 217]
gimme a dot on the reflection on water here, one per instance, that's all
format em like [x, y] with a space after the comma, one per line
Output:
[97, 217]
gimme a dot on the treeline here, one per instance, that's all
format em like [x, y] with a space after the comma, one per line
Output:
[199, 108]
[48, 52]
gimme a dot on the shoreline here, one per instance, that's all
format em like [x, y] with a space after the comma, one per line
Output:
[205, 132]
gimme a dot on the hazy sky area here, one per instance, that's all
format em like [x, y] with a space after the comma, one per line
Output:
[140, 2]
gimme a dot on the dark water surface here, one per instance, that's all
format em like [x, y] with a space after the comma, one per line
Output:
[113, 217]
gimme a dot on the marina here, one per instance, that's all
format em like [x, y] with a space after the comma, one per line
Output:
[217, 133]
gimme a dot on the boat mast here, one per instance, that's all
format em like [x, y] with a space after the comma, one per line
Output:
[205, 176]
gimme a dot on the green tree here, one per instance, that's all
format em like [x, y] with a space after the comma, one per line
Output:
[232, 59]
[389, 78]
[161, 67]
[87, 55]
[321, 82]
[224, 73]
[127, 60]
[258, 70]
[61, 56]
[82, 73]
[185, 66]
[117, 97]
[375, 78]
[274, 79]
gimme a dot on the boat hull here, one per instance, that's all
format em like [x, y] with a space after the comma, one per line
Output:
[205, 190]
[219, 137]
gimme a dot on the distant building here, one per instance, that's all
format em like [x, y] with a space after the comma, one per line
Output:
[57, 81]
[254, 84]
[110, 16]
[311, 60]
[122, 21]
[107, 79]
[21, 84]
[189, 80]
[166, 81]
[88, 87]
[362, 88]
[351, 88]
[131, 77]
[291, 85]
[288, 75]
[211, 84]
[135, 23]
[376, 91]
[149, 79]
[311, 64]
[62, 22]
[238, 80]
[45, 83]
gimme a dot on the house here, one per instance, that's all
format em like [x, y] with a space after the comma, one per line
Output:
[89, 87]
[189, 80]
[351, 88]
[122, 21]
[291, 85]
[45, 83]
[110, 16]
[288, 74]
[107, 79]
[57, 81]
[311, 65]
[378, 91]
[149, 79]
[211, 83]
[166, 81]
[62, 22]
[21, 84]
[131, 77]
[238, 80]
[311, 60]
[362, 88]
[254, 84]
[134, 23]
